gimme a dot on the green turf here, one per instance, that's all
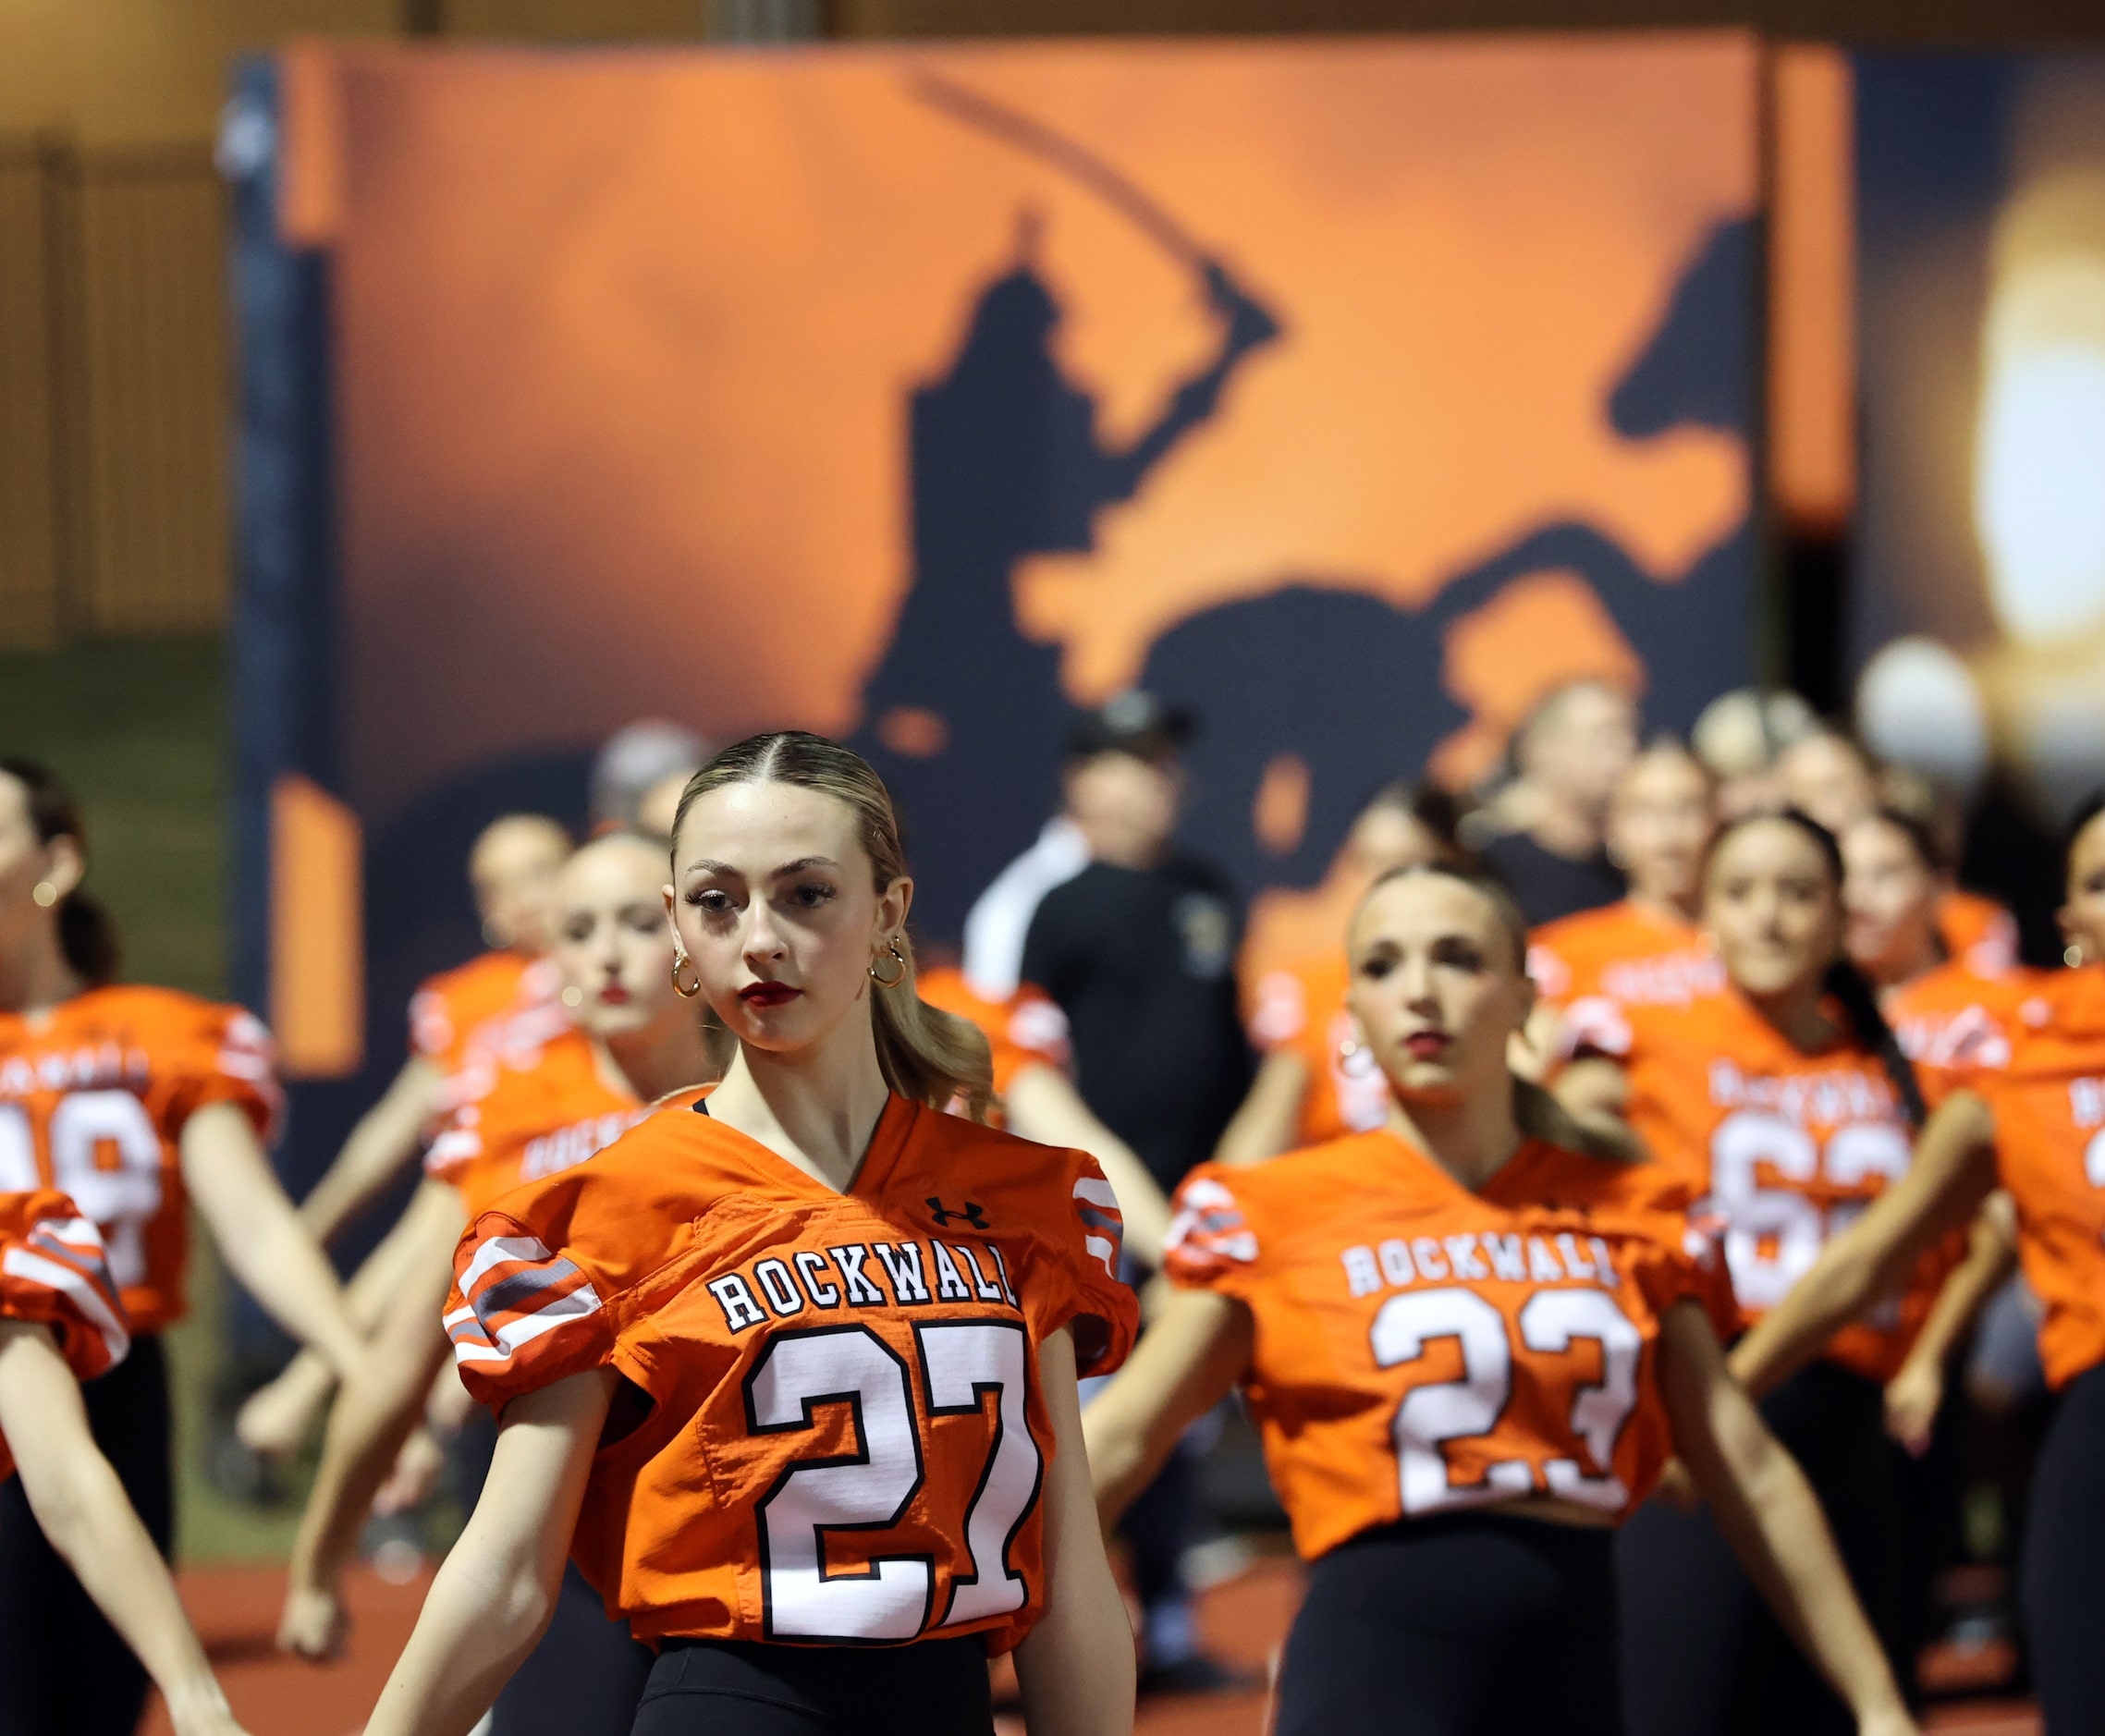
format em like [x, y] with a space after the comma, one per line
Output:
[137, 727]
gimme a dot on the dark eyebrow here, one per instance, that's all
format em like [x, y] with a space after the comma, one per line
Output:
[706, 866]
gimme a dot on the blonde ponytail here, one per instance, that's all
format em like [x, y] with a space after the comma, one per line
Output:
[926, 1054]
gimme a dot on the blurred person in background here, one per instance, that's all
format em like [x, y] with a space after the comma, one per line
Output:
[1830, 776]
[1647, 947]
[1138, 950]
[2036, 1096]
[1787, 1104]
[456, 1018]
[1896, 877]
[633, 769]
[636, 1038]
[60, 1324]
[1317, 1081]
[1000, 920]
[139, 1103]
[1737, 737]
[1566, 756]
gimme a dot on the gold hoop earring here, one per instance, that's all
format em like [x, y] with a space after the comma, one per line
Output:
[46, 894]
[898, 958]
[678, 988]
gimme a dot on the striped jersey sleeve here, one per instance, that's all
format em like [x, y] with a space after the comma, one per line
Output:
[521, 1315]
[1211, 1244]
[1100, 1306]
[52, 1272]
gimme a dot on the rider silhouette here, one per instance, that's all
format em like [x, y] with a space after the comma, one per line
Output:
[964, 715]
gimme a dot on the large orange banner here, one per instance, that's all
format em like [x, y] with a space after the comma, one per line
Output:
[1353, 391]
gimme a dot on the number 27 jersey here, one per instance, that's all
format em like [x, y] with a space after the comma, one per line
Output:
[1420, 1348]
[846, 1440]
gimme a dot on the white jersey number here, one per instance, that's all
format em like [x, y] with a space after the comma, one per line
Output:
[963, 1363]
[1551, 1321]
[105, 1151]
[1773, 1234]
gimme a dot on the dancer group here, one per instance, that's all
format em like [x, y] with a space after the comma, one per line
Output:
[1575, 1282]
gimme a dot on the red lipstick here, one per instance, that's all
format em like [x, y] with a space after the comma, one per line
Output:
[768, 993]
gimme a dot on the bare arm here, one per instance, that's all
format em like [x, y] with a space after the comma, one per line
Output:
[1187, 1361]
[1263, 1127]
[90, 1520]
[1952, 1172]
[497, 1590]
[1771, 1518]
[1915, 1394]
[386, 1137]
[1045, 1107]
[368, 1426]
[264, 1244]
[278, 1416]
[1076, 1665]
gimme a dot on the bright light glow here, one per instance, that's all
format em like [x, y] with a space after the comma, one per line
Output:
[2040, 486]
[1917, 704]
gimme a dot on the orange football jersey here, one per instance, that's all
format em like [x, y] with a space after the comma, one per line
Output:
[527, 1123]
[93, 1097]
[499, 1007]
[1783, 1148]
[51, 1273]
[847, 1440]
[1949, 1025]
[1978, 933]
[1420, 1348]
[1301, 1010]
[2049, 1116]
[1026, 1029]
[1623, 953]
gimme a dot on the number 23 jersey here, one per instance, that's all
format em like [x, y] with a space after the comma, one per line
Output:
[846, 1440]
[1420, 1348]
[93, 1098]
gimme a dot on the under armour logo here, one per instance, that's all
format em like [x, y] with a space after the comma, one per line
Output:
[971, 1213]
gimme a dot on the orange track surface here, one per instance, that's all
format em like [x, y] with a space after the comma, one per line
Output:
[236, 1611]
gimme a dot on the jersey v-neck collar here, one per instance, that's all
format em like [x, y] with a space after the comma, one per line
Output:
[888, 1140]
[1496, 1188]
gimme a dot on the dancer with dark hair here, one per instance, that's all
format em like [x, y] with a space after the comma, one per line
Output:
[1787, 1104]
[2036, 1113]
[137, 1102]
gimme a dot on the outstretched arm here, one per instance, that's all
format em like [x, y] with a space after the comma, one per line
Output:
[493, 1597]
[90, 1520]
[1043, 1105]
[1953, 1171]
[1188, 1360]
[266, 1247]
[1771, 1518]
[379, 1148]
[369, 1425]
[1916, 1394]
[1264, 1126]
[1076, 1665]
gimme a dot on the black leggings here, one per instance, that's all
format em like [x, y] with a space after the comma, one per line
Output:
[584, 1679]
[63, 1669]
[2064, 1573]
[737, 1688]
[1465, 1624]
[1702, 1655]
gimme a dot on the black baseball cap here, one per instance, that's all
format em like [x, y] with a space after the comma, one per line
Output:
[1136, 723]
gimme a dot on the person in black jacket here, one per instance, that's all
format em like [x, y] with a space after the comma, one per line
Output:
[1139, 950]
